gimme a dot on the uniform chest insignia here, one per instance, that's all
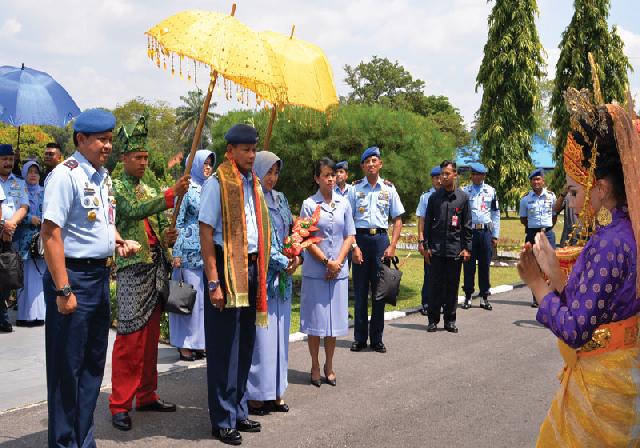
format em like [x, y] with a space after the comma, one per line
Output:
[71, 164]
[86, 202]
[96, 201]
[332, 205]
[384, 195]
[361, 210]
[91, 215]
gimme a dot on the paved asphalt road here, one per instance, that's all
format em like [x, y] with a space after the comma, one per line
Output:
[487, 386]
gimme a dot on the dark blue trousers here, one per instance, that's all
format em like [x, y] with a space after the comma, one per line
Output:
[481, 251]
[229, 338]
[365, 280]
[425, 286]
[76, 349]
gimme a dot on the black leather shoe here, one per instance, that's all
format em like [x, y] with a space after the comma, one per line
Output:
[484, 303]
[229, 436]
[248, 426]
[432, 327]
[121, 421]
[358, 346]
[313, 382]
[451, 328]
[330, 382]
[158, 406]
[259, 411]
[534, 304]
[423, 311]
[379, 347]
[200, 354]
[6, 327]
[188, 358]
[467, 303]
[275, 407]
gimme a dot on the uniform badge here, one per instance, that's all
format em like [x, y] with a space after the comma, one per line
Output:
[87, 202]
[91, 216]
[361, 194]
[71, 164]
[332, 205]
[361, 210]
[96, 201]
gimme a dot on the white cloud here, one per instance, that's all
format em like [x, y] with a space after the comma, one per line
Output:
[10, 27]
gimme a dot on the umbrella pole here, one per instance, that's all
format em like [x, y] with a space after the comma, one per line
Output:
[267, 137]
[196, 141]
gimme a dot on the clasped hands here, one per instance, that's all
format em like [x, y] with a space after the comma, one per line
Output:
[538, 260]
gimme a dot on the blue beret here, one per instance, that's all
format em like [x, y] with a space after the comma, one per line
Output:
[536, 172]
[93, 121]
[241, 134]
[6, 149]
[373, 151]
[436, 171]
[344, 165]
[478, 168]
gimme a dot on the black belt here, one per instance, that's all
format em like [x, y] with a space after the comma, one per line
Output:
[373, 231]
[480, 226]
[539, 229]
[252, 257]
[86, 262]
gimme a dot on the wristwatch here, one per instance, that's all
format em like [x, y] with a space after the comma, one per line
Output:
[213, 284]
[65, 291]
[325, 261]
[354, 246]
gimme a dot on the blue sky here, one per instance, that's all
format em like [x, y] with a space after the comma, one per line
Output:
[97, 49]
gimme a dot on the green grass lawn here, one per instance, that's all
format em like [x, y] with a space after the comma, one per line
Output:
[410, 287]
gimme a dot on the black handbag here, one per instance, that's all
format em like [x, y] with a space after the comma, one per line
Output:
[181, 297]
[388, 285]
[11, 268]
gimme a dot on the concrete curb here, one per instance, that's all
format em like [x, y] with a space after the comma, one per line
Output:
[397, 314]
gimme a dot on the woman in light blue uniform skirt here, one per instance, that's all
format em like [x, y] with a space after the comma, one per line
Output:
[31, 307]
[325, 275]
[268, 375]
[187, 331]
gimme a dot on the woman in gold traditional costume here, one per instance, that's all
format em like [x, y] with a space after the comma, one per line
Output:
[592, 306]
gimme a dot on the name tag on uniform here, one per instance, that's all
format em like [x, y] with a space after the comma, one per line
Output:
[360, 194]
[454, 221]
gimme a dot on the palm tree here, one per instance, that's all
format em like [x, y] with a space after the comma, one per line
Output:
[187, 117]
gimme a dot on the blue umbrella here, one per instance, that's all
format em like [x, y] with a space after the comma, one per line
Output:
[29, 96]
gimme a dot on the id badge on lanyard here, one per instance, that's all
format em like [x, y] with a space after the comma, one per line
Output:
[454, 221]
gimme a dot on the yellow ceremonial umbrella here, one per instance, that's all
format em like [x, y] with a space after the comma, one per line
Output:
[307, 74]
[231, 50]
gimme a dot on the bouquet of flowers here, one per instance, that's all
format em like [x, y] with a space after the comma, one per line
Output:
[302, 235]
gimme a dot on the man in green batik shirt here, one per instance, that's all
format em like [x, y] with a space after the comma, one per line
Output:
[140, 217]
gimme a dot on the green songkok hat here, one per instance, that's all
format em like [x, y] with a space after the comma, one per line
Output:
[136, 139]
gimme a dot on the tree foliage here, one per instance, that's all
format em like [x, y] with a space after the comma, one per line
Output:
[32, 140]
[411, 144]
[389, 84]
[509, 75]
[188, 115]
[587, 32]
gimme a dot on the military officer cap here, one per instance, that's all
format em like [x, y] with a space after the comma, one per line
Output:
[344, 165]
[369, 152]
[536, 172]
[436, 171]
[136, 139]
[241, 134]
[478, 168]
[94, 121]
[6, 149]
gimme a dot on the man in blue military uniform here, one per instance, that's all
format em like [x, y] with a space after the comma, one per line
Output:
[79, 238]
[421, 212]
[485, 222]
[536, 212]
[373, 201]
[342, 175]
[14, 209]
[233, 239]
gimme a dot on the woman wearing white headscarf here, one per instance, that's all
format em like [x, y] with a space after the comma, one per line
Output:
[31, 307]
[268, 375]
[187, 331]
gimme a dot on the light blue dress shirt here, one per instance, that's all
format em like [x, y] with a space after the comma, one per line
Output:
[373, 206]
[538, 209]
[344, 193]
[2, 196]
[421, 211]
[211, 213]
[15, 193]
[483, 202]
[79, 199]
[335, 224]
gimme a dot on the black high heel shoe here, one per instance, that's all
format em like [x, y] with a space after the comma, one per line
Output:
[317, 382]
[326, 378]
[187, 358]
